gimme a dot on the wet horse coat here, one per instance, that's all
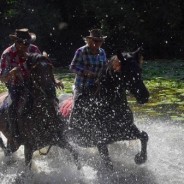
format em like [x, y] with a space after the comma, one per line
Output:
[41, 125]
[106, 117]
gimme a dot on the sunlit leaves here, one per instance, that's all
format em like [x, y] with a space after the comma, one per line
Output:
[67, 79]
[165, 81]
[2, 87]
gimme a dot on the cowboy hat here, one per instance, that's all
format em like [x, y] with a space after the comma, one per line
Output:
[23, 35]
[96, 34]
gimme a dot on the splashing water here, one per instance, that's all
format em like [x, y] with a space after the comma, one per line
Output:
[165, 164]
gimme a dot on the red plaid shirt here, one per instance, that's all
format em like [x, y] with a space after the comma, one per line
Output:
[10, 59]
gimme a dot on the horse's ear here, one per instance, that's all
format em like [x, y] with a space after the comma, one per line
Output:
[138, 55]
[120, 55]
[45, 55]
[138, 51]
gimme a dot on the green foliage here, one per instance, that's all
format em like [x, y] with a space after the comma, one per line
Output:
[67, 79]
[163, 78]
[165, 81]
[2, 87]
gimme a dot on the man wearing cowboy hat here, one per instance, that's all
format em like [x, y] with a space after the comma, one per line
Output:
[89, 60]
[12, 59]
[87, 63]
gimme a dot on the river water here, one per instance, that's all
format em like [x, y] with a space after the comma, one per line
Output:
[165, 164]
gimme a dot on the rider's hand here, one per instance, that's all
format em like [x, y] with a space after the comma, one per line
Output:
[59, 84]
[13, 73]
[89, 74]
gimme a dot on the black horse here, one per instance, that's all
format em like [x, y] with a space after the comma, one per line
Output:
[39, 123]
[106, 117]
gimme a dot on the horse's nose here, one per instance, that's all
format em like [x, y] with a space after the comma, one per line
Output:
[144, 98]
[143, 101]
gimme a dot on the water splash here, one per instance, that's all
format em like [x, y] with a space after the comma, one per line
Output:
[165, 161]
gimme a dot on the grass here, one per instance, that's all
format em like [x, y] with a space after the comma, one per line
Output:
[165, 81]
[163, 78]
[67, 78]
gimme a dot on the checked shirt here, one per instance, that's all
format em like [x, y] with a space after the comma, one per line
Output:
[84, 60]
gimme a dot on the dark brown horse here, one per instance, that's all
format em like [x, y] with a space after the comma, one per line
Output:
[38, 121]
[106, 117]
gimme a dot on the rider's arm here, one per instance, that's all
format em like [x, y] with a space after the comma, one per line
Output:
[6, 71]
[58, 83]
[10, 76]
[77, 66]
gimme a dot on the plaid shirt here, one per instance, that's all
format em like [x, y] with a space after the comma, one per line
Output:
[10, 59]
[84, 60]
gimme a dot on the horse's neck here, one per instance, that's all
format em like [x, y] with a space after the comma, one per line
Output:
[110, 81]
[37, 92]
[46, 103]
[112, 87]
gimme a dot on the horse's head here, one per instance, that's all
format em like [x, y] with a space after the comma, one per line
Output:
[41, 75]
[131, 68]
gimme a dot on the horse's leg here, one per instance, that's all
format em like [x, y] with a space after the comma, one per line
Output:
[3, 146]
[28, 153]
[135, 133]
[141, 157]
[11, 147]
[64, 144]
[104, 153]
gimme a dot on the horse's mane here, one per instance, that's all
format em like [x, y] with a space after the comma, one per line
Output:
[34, 58]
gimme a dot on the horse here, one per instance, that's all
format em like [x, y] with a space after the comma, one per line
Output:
[106, 117]
[39, 123]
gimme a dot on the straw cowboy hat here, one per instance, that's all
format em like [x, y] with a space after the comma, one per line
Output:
[23, 35]
[96, 34]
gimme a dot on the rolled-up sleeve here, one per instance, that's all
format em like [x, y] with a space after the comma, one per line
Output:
[77, 64]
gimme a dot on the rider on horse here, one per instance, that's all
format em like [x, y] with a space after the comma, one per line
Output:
[13, 60]
[15, 74]
[88, 62]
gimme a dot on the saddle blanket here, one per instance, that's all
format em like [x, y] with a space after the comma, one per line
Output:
[66, 107]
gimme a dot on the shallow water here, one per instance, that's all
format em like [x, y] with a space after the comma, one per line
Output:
[165, 164]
